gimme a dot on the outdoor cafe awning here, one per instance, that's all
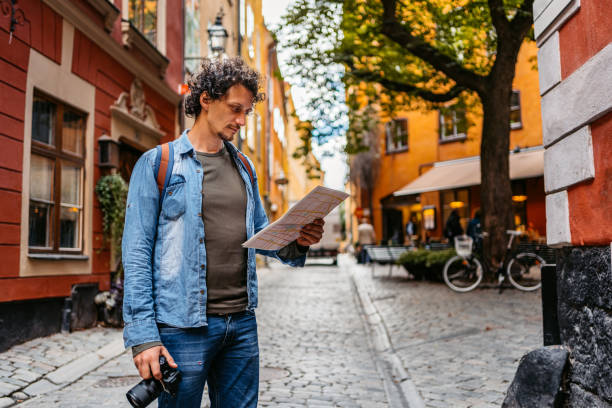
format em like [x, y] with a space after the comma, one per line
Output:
[466, 172]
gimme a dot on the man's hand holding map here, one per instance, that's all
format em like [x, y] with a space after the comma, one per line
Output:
[317, 204]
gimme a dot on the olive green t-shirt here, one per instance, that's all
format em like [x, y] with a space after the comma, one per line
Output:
[224, 201]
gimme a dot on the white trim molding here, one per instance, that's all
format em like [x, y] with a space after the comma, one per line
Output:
[558, 232]
[569, 161]
[549, 63]
[136, 123]
[579, 99]
[59, 81]
[73, 15]
[133, 38]
[549, 18]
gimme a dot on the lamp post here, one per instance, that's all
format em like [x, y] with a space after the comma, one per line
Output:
[217, 36]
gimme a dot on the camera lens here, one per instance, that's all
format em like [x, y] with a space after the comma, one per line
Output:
[143, 393]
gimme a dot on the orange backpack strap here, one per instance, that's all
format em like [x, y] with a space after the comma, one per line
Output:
[244, 161]
[164, 161]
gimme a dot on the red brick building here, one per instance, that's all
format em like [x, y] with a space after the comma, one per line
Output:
[575, 65]
[74, 71]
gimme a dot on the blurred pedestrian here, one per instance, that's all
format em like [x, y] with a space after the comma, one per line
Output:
[453, 227]
[474, 229]
[365, 236]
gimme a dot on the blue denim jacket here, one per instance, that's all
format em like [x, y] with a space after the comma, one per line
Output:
[164, 257]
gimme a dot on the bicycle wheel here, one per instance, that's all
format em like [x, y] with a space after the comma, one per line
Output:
[525, 271]
[462, 274]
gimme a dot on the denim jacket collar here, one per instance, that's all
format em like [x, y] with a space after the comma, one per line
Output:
[183, 145]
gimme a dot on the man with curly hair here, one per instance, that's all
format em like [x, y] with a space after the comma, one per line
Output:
[190, 287]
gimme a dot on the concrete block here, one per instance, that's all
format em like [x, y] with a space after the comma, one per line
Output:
[40, 387]
[558, 232]
[77, 368]
[549, 63]
[539, 6]
[570, 161]
[580, 99]
[552, 17]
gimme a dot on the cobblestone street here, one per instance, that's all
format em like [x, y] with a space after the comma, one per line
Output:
[457, 350]
[313, 347]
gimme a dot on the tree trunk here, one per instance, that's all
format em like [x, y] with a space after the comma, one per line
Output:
[496, 191]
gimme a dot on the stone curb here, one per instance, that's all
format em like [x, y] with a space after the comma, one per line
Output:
[382, 345]
[72, 371]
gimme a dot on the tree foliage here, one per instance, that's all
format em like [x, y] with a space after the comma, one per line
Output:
[411, 54]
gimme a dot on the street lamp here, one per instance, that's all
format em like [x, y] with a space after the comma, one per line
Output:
[217, 35]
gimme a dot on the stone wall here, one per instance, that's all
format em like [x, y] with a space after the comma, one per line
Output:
[584, 287]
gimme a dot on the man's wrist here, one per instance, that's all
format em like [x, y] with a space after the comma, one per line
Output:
[144, 346]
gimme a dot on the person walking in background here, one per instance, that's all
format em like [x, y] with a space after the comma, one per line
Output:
[474, 229]
[365, 236]
[190, 287]
[411, 230]
[453, 227]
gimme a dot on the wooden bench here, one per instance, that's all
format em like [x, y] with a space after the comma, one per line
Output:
[384, 255]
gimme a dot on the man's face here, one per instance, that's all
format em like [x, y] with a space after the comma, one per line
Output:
[225, 116]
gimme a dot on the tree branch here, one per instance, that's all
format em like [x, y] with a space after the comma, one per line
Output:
[396, 32]
[411, 89]
[524, 17]
[498, 16]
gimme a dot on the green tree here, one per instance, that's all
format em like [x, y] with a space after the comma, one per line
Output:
[433, 51]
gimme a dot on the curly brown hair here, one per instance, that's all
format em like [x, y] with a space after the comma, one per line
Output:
[215, 77]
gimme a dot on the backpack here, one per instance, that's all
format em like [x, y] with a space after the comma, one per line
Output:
[164, 162]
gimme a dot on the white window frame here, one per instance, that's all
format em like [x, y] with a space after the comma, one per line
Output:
[393, 144]
[514, 108]
[455, 135]
[59, 81]
[161, 23]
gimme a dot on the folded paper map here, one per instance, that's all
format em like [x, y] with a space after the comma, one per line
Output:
[317, 204]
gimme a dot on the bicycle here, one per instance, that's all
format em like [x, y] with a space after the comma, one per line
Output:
[464, 272]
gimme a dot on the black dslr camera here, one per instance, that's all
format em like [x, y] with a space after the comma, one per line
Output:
[143, 393]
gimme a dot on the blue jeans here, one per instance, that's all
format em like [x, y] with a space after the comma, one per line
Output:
[225, 354]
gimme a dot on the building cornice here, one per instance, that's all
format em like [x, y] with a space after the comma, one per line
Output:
[107, 10]
[133, 39]
[101, 38]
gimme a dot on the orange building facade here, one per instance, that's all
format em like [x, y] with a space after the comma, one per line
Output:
[415, 143]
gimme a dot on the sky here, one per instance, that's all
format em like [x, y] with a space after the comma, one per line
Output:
[330, 154]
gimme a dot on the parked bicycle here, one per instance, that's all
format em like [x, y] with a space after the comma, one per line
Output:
[464, 271]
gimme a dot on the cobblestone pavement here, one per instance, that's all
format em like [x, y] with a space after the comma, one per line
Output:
[313, 347]
[460, 349]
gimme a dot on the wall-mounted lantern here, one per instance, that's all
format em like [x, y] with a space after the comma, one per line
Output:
[217, 35]
[109, 152]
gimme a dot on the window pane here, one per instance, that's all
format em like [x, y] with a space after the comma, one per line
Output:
[448, 130]
[71, 184]
[515, 118]
[41, 178]
[460, 122]
[43, 121]
[515, 101]
[40, 225]
[143, 14]
[69, 227]
[73, 132]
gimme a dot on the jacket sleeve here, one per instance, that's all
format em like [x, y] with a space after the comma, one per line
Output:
[261, 222]
[141, 214]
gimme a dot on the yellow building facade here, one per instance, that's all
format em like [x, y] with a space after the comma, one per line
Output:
[413, 143]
